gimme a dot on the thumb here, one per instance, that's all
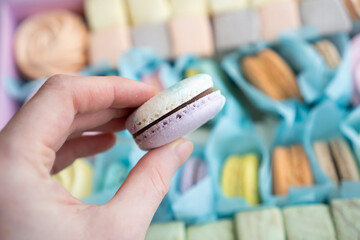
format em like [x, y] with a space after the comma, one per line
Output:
[149, 181]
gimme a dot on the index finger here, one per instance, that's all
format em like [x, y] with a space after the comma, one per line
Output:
[48, 116]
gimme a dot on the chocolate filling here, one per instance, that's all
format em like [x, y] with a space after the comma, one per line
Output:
[203, 94]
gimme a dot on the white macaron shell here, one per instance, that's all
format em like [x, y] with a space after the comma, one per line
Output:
[169, 99]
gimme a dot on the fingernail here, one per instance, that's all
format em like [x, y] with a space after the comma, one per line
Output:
[182, 149]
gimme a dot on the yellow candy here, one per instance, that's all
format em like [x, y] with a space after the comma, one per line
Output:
[239, 177]
[221, 6]
[189, 7]
[145, 12]
[106, 14]
[65, 177]
[251, 165]
[191, 72]
[77, 178]
[83, 179]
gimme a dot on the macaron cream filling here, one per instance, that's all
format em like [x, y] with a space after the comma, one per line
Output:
[194, 99]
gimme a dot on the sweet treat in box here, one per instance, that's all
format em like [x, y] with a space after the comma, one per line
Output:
[50, 43]
[279, 16]
[236, 28]
[221, 229]
[240, 177]
[189, 7]
[346, 213]
[102, 15]
[262, 224]
[155, 36]
[268, 72]
[194, 171]
[166, 231]
[291, 168]
[329, 52]
[327, 16]
[222, 6]
[191, 34]
[309, 222]
[107, 45]
[143, 12]
[77, 178]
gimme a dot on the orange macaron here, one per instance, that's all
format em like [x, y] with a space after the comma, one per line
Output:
[291, 168]
[269, 72]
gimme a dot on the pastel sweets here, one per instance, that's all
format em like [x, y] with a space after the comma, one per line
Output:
[269, 72]
[166, 231]
[222, 6]
[189, 7]
[77, 178]
[143, 12]
[155, 36]
[107, 45]
[329, 52]
[344, 160]
[191, 34]
[222, 229]
[175, 112]
[102, 15]
[51, 42]
[324, 157]
[311, 222]
[240, 177]
[263, 224]
[290, 167]
[328, 16]
[194, 171]
[278, 17]
[346, 214]
[236, 28]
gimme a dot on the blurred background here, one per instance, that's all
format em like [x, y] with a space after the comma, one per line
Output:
[288, 69]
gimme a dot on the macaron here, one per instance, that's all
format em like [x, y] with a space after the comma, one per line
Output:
[311, 222]
[290, 167]
[240, 177]
[263, 224]
[269, 72]
[324, 157]
[346, 214]
[344, 160]
[77, 179]
[353, 7]
[329, 52]
[193, 172]
[222, 229]
[166, 231]
[175, 112]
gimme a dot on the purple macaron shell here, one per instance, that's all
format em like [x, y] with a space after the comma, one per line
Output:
[188, 174]
[181, 122]
[201, 171]
[355, 65]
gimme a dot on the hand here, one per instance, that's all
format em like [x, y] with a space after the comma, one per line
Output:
[45, 136]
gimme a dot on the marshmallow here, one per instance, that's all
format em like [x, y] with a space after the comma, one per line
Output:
[149, 11]
[278, 17]
[236, 28]
[328, 16]
[191, 34]
[155, 36]
[106, 14]
[221, 6]
[107, 45]
[189, 7]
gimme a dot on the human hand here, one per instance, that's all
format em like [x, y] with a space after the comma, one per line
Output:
[45, 136]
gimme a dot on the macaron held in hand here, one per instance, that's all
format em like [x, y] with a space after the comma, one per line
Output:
[175, 112]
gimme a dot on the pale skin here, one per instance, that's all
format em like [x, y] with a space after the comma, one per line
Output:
[45, 136]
